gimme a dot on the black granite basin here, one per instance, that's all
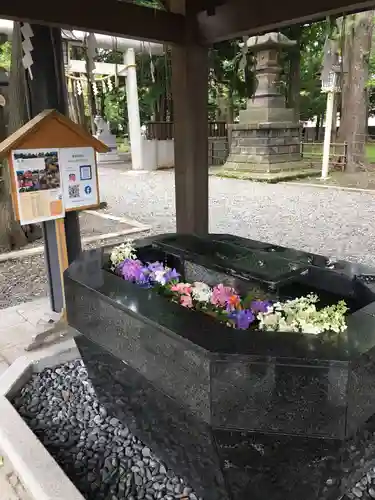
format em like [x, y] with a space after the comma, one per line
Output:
[241, 414]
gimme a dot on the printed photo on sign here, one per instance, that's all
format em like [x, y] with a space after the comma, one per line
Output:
[38, 184]
[37, 171]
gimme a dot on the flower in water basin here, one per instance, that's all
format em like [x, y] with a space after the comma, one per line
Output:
[184, 291]
[221, 295]
[161, 274]
[201, 292]
[134, 270]
[234, 302]
[182, 288]
[186, 301]
[171, 275]
[260, 306]
[242, 319]
[123, 252]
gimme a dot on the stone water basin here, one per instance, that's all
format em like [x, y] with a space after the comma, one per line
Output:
[240, 414]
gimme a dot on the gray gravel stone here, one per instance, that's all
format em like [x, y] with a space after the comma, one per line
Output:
[98, 453]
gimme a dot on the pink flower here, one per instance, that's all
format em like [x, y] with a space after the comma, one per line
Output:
[182, 288]
[221, 295]
[184, 291]
[186, 301]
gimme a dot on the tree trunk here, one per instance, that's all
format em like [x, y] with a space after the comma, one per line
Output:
[294, 77]
[356, 51]
[11, 232]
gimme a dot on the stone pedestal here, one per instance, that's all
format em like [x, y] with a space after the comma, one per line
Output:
[265, 147]
[103, 134]
[265, 144]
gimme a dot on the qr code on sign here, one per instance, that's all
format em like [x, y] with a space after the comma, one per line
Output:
[74, 191]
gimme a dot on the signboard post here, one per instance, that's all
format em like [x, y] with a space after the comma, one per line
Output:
[53, 170]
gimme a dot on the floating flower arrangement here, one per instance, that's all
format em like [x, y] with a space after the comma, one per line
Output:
[225, 304]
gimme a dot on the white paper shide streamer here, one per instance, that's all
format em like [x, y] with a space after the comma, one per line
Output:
[27, 47]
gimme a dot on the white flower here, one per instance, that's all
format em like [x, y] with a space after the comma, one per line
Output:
[121, 252]
[159, 276]
[201, 292]
[269, 321]
[301, 315]
[310, 328]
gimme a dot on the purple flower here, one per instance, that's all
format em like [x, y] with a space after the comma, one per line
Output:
[133, 270]
[243, 318]
[160, 274]
[171, 275]
[155, 266]
[260, 306]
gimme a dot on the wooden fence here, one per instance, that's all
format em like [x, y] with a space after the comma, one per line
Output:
[313, 152]
[162, 131]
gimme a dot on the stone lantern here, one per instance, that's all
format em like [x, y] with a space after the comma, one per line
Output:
[265, 144]
[331, 68]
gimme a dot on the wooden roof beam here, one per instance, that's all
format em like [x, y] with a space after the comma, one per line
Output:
[245, 17]
[111, 17]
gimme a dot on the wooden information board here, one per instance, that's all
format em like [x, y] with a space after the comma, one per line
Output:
[52, 163]
[53, 170]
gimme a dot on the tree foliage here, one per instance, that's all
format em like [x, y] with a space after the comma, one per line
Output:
[5, 54]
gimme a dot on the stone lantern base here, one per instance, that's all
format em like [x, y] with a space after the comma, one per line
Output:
[268, 151]
[265, 145]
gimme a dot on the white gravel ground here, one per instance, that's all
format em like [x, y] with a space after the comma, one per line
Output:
[330, 222]
[335, 223]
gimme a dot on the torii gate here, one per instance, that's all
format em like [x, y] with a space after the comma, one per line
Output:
[129, 48]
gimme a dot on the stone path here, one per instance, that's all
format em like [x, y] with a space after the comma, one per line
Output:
[18, 326]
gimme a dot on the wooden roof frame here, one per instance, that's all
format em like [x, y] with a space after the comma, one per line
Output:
[216, 20]
[111, 17]
[233, 18]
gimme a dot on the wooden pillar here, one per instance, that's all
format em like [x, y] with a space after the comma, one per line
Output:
[190, 116]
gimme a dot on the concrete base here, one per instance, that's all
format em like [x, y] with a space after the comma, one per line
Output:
[272, 177]
[157, 154]
[107, 159]
[267, 167]
[26, 461]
